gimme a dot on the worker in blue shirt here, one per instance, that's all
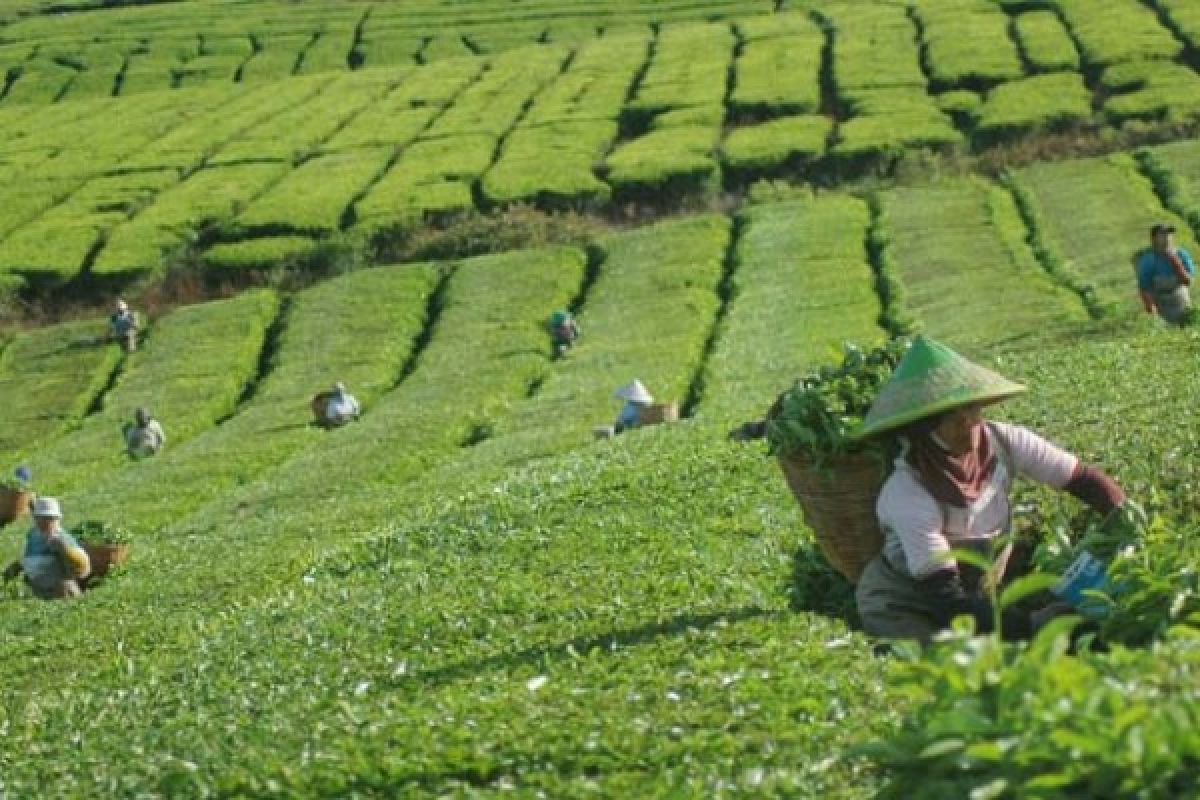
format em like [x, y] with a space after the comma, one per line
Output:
[1164, 275]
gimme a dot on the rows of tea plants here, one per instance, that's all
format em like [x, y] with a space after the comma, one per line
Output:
[1175, 170]
[632, 114]
[360, 329]
[50, 377]
[1088, 218]
[957, 247]
[190, 372]
[609, 622]
[803, 259]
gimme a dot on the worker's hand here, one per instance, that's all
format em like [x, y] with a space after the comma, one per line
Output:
[1058, 608]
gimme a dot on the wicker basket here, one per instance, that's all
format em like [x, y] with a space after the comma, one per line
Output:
[839, 505]
[104, 557]
[318, 405]
[658, 413]
[13, 503]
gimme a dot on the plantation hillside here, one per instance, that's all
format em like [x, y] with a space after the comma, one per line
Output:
[464, 593]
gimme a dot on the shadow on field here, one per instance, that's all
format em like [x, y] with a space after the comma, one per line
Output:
[819, 588]
[581, 646]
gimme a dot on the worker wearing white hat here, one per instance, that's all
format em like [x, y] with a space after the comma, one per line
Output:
[636, 397]
[123, 326]
[53, 560]
[340, 406]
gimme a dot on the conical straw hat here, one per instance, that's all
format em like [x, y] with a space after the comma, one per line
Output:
[930, 379]
[634, 392]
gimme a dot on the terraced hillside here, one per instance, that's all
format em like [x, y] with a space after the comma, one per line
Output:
[253, 131]
[464, 593]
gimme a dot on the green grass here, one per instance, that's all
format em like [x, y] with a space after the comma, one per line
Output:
[190, 372]
[50, 377]
[969, 277]
[801, 285]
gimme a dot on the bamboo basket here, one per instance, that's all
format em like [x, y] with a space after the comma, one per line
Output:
[658, 413]
[838, 500]
[104, 557]
[13, 503]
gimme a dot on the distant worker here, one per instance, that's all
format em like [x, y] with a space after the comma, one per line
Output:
[337, 407]
[636, 398]
[1164, 275]
[53, 562]
[145, 436]
[123, 326]
[565, 330]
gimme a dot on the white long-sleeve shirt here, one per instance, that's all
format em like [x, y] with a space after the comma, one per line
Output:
[918, 529]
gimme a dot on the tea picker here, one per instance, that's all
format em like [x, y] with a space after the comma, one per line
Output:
[951, 488]
[564, 330]
[123, 326]
[336, 407]
[53, 561]
[145, 436]
[1164, 275]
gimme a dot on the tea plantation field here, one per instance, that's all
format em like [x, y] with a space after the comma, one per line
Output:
[250, 132]
[463, 593]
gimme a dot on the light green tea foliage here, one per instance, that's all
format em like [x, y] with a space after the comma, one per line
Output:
[957, 248]
[190, 372]
[1126, 31]
[264, 253]
[1043, 102]
[799, 260]
[787, 140]
[991, 721]
[677, 159]
[816, 418]
[966, 43]
[1044, 41]
[1151, 90]
[779, 74]
[50, 377]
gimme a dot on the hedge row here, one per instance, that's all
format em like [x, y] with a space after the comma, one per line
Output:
[191, 370]
[779, 74]
[1045, 42]
[1126, 31]
[49, 378]
[966, 43]
[959, 249]
[801, 286]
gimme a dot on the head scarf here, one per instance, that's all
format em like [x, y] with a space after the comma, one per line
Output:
[952, 480]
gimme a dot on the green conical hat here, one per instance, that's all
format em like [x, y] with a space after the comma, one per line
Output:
[930, 379]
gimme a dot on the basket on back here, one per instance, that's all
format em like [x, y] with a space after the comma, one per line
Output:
[836, 478]
[13, 503]
[838, 500]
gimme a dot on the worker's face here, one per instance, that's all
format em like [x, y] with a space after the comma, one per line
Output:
[47, 525]
[1163, 241]
[956, 428]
